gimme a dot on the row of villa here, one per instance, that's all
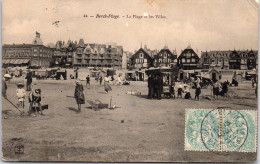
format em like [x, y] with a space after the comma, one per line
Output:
[80, 54]
[189, 59]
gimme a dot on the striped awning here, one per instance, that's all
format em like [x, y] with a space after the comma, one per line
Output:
[12, 61]
[25, 61]
[6, 61]
[17, 61]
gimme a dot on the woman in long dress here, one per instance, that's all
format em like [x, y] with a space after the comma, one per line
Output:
[106, 84]
[79, 95]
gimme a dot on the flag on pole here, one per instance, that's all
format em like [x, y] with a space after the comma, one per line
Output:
[37, 34]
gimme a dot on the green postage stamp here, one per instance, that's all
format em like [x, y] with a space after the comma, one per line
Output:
[220, 130]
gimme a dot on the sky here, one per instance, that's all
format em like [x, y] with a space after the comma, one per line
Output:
[203, 24]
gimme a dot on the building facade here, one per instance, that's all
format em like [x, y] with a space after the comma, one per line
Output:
[63, 54]
[165, 58]
[141, 59]
[97, 55]
[238, 60]
[27, 54]
[215, 59]
[188, 59]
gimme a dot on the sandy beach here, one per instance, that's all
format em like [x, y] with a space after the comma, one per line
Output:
[139, 130]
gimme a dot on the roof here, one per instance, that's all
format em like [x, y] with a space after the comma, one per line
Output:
[141, 50]
[165, 48]
[58, 44]
[81, 43]
[37, 41]
[189, 47]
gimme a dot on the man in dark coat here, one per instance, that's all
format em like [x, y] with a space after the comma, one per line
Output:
[29, 81]
[88, 80]
[4, 87]
[157, 87]
[150, 87]
[161, 86]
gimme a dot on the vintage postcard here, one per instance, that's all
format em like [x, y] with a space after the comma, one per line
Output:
[129, 80]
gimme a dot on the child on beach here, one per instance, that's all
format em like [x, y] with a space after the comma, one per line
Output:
[20, 92]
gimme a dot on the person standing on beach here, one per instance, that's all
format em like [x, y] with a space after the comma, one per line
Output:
[4, 87]
[197, 92]
[150, 87]
[79, 95]
[88, 80]
[28, 81]
[106, 84]
[100, 80]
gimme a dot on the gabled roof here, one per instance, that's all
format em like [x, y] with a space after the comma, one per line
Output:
[165, 48]
[141, 50]
[58, 45]
[81, 43]
[188, 49]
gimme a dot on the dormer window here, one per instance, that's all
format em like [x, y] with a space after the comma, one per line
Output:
[141, 55]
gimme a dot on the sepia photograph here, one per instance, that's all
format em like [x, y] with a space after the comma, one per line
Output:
[129, 80]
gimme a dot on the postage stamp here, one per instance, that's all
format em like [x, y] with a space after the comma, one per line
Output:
[221, 130]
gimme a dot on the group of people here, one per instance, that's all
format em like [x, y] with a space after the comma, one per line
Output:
[183, 88]
[220, 88]
[156, 84]
[34, 97]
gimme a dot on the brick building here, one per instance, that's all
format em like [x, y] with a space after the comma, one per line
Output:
[215, 59]
[97, 55]
[63, 53]
[239, 60]
[27, 54]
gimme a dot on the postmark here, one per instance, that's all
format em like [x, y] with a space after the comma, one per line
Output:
[220, 130]
[19, 149]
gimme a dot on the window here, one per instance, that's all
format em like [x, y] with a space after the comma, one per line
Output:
[88, 51]
[193, 60]
[141, 55]
[34, 50]
[160, 60]
[188, 55]
[165, 55]
[145, 60]
[188, 60]
[183, 60]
